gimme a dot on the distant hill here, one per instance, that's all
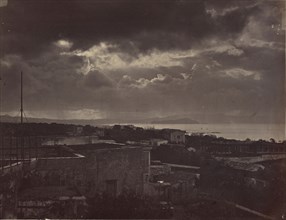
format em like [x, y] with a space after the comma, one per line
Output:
[166, 120]
[175, 121]
[12, 119]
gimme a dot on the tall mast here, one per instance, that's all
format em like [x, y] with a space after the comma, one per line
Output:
[21, 126]
[21, 97]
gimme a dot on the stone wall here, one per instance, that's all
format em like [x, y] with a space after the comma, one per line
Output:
[64, 207]
[128, 168]
[65, 171]
[10, 180]
[72, 140]
[125, 166]
[91, 172]
[158, 170]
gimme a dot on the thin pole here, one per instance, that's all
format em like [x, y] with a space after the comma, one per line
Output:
[21, 97]
[22, 128]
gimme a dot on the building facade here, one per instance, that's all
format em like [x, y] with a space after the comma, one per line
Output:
[177, 137]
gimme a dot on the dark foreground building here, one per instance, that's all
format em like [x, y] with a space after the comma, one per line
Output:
[58, 183]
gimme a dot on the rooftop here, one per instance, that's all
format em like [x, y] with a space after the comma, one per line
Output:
[47, 192]
[98, 146]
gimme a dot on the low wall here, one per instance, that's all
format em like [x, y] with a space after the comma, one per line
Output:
[10, 180]
[81, 140]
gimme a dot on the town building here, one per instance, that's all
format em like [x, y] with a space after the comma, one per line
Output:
[75, 140]
[158, 142]
[114, 168]
[251, 148]
[174, 136]
[67, 175]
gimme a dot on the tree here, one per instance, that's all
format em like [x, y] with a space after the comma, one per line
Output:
[272, 140]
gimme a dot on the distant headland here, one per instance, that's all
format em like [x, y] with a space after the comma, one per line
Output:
[175, 121]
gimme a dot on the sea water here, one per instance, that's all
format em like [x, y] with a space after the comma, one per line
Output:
[230, 131]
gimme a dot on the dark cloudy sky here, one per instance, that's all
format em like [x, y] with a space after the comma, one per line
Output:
[135, 59]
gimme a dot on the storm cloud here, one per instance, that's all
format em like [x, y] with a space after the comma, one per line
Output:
[92, 59]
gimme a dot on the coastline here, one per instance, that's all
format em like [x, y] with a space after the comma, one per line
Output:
[226, 130]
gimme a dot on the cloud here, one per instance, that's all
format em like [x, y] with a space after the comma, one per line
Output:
[235, 52]
[186, 75]
[239, 73]
[64, 44]
[51, 81]
[3, 3]
[222, 47]
[160, 78]
[149, 25]
[96, 80]
[263, 30]
[106, 58]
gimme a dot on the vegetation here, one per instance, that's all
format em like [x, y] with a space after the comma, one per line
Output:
[36, 129]
[126, 206]
[176, 155]
[128, 133]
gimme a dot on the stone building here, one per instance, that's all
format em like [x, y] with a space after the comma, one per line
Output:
[177, 137]
[114, 168]
[174, 136]
[158, 142]
[69, 174]
[94, 168]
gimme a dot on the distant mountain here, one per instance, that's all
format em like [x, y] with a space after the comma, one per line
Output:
[175, 121]
[12, 119]
[94, 122]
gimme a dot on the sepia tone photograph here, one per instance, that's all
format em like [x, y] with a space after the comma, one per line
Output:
[142, 109]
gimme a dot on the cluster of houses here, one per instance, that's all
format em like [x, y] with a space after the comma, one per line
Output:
[255, 147]
[59, 174]
[67, 170]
